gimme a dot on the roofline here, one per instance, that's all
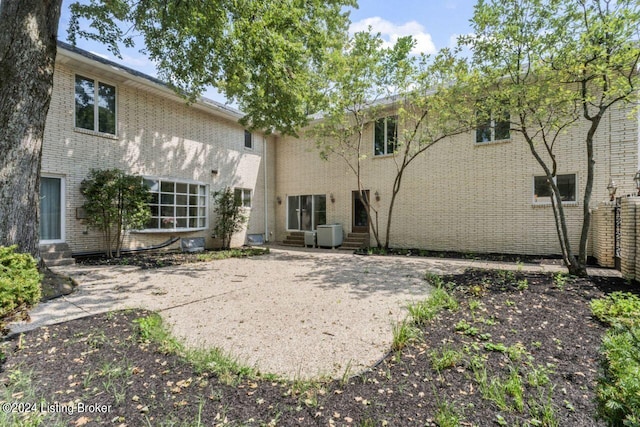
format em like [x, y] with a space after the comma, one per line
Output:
[206, 104]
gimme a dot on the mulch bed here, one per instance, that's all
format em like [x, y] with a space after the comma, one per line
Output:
[101, 360]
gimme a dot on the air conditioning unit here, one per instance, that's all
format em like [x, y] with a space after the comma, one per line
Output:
[329, 235]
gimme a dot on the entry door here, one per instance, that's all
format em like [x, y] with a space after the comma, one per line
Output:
[300, 213]
[51, 203]
[360, 218]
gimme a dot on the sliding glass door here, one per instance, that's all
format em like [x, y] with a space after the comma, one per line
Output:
[306, 212]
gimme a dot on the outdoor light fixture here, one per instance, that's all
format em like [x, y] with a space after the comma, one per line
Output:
[332, 198]
[377, 194]
[279, 200]
[637, 180]
[612, 187]
[214, 171]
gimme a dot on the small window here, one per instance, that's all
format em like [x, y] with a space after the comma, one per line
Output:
[242, 197]
[492, 129]
[566, 184]
[248, 140]
[385, 136]
[95, 105]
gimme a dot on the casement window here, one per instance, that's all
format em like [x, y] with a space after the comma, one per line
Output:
[248, 140]
[385, 136]
[566, 184]
[242, 197]
[492, 129]
[95, 105]
[177, 205]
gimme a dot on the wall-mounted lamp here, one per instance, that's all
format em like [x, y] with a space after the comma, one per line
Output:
[637, 181]
[214, 171]
[279, 200]
[611, 188]
[332, 198]
[377, 194]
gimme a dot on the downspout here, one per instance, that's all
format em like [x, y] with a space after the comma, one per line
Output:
[266, 194]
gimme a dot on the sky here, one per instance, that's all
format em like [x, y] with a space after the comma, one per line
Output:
[434, 24]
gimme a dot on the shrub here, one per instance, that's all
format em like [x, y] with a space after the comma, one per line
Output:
[618, 391]
[19, 283]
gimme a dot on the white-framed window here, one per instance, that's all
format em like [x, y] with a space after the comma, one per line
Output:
[493, 129]
[248, 140]
[95, 103]
[567, 184]
[385, 136]
[242, 197]
[176, 205]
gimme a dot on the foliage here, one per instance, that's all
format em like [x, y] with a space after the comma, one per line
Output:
[618, 389]
[261, 54]
[115, 202]
[229, 216]
[19, 283]
[367, 82]
[231, 253]
[543, 65]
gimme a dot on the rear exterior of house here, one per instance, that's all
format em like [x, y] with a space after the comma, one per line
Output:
[479, 192]
[106, 116]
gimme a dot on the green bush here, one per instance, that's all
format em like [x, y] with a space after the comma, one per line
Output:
[19, 283]
[618, 390]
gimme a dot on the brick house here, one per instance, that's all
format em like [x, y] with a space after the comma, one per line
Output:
[476, 192]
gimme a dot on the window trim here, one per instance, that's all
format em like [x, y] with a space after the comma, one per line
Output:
[96, 115]
[181, 229]
[386, 141]
[250, 135]
[546, 201]
[242, 198]
[492, 126]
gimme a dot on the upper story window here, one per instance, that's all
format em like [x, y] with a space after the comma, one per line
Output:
[566, 184]
[242, 197]
[385, 136]
[248, 140]
[493, 129]
[176, 205]
[95, 105]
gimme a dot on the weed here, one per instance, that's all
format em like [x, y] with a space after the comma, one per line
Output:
[424, 311]
[466, 328]
[522, 285]
[404, 333]
[474, 304]
[433, 279]
[509, 303]
[513, 386]
[499, 347]
[516, 352]
[216, 361]
[542, 411]
[445, 358]
[447, 415]
[560, 280]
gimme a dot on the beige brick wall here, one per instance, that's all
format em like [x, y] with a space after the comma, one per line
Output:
[159, 136]
[603, 234]
[463, 196]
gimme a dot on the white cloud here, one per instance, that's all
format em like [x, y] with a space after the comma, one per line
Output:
[390, 32]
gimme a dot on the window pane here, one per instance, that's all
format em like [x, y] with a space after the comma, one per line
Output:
[246, 199]
[166, 199]
[201, 222]
[193, 222]
[541, 187]
[202, 190]
[106, 108]
[181, 223]
[181, 211]
[193, 200]
[167, 223]
[202, 212]
[293, 215]
[502, 129]
[237, 196]
[152, 223]
[151, 184]
[167, 186]
[166, 211]
[193, 212]
[248, 139]
[483, 132]
[567, 186]
[181, 199]
[379, 137]
[181, 187]
[392, 134]
[154, 210]
[154, 198]
[85, 93]
[193, 189]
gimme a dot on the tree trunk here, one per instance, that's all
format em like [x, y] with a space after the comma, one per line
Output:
[27, 60]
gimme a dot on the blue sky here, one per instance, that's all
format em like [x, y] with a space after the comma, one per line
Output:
[434, 24]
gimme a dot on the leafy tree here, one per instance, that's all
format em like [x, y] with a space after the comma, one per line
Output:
[229, 216]
[367, 82]
[116, 202]
[262, 54]
[548, 64]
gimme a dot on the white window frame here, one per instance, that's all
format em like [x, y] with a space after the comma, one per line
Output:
[63, 219]
[386, 141]
[250, 135]
[201, 195]
[243, 193]
[492, 139]
[96, 111]
[546, 201]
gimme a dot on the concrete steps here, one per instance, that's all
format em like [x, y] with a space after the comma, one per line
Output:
[355, 241]
[55, 254]
[295, 238]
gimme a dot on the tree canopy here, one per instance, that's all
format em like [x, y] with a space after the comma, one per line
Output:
[262, 54]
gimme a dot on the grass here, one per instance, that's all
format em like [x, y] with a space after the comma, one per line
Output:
[231, 253]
